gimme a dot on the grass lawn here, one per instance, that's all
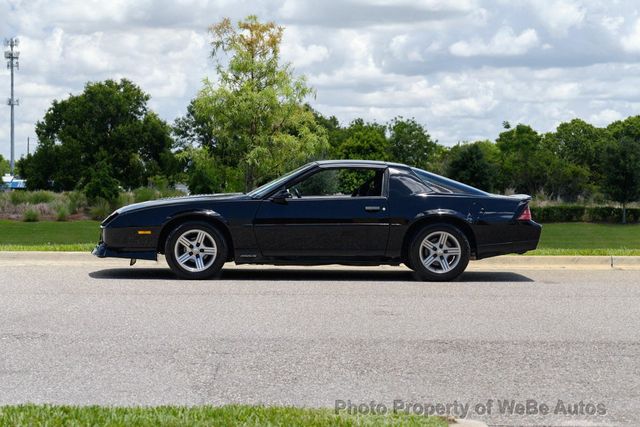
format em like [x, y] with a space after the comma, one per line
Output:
[49, 235]
[243, 415]
[572, 238]
[577, 238]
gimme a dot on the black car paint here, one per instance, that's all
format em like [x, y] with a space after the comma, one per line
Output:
[348, 230]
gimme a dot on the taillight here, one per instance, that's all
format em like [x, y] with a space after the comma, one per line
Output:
[525, 215]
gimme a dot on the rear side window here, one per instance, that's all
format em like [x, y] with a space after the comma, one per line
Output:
[440, 184]
[402, 184]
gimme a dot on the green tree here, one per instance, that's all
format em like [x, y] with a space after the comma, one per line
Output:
[364, 141]
[194, 129]
[622, 163]
[5, 167]
[524, 160]
[582, 144]
[206, 174]
[578, 142]
[102, 185]
[109, 122]
[468, 163]
[567, 178]
[256, 106]
[336, 134]
[410, 143]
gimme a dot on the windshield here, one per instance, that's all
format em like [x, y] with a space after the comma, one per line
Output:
[272, 185]
[445, 185]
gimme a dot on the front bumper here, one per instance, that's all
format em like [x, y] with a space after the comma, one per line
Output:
[103, 251]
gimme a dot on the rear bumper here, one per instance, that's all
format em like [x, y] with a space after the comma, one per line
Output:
[103, 251]
[526, 237]
[521, 247]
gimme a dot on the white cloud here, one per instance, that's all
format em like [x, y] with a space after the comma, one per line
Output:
[305, 55]
[462, 5]
[461, 67]
[504, 43]
[612, 23]
[559, 16]
[631, 42]
[402, 48]
[604, 117]
[295, 50]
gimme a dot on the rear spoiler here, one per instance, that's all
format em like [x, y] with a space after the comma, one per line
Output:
[519, 197]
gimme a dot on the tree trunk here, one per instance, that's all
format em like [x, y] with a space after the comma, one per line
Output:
[624, 213]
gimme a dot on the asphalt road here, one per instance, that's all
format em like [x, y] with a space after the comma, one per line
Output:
[100, 332]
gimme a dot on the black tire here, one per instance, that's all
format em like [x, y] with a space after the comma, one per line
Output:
[440, 263]
[191, 268]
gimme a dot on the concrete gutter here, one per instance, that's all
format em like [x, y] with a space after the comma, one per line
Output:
[506, 262]
[561, 262]
[467, 423]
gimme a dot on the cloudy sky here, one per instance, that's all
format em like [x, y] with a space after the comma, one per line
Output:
[460, 67]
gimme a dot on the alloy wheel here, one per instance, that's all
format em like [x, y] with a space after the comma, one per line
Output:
[440, 252]
[195, 250]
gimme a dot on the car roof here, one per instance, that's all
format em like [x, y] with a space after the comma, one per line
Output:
[350, 162]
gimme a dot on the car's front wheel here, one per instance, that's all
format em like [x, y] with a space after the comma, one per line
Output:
[439, 252]
[195, 250]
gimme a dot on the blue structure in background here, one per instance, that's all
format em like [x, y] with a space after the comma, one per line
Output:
[13, 183]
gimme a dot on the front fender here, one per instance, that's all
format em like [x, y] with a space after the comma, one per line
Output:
[206, 215]
[198, 213]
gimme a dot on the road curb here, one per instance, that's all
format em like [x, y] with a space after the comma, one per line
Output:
[625, 261]
[546, 261]
[505, 262]
[468, 423]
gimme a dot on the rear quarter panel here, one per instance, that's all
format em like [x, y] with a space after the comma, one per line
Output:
[497, 230]
[406, 211]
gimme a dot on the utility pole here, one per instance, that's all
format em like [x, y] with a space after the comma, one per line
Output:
[11, 56]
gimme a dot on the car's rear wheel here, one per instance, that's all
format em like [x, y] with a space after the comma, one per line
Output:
[439, 252]
[195, 250]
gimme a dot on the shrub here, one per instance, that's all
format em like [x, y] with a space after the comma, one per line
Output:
[62, 212]
[77, 201]
[603, 214]
[124, 199]
[100, 209]
[559, 213]
[31, 215]
[18, 197]
[171, 192]
[633, 215]
[36, 197]
[576, 213]
[159, 182]
[144, 194]
[611, 214]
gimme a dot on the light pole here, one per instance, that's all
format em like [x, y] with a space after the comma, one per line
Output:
[12, 56]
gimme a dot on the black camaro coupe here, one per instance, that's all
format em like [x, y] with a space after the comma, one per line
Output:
[328, 212]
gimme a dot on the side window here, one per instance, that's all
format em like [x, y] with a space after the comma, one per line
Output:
[403, 184]
[341, 182]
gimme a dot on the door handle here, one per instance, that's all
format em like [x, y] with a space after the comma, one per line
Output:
[374, 208]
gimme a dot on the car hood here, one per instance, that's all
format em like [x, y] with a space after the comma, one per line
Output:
[181, 200]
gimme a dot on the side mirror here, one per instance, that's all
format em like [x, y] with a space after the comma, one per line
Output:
[281, 196]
